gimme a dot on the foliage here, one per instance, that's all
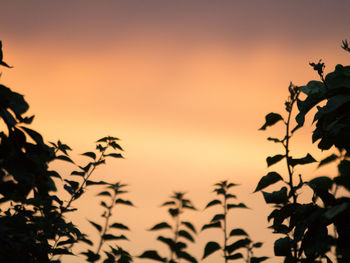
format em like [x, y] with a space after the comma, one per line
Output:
[112, 191]
[220, 220]
[305, 226]
[33, 222]
[182, 231]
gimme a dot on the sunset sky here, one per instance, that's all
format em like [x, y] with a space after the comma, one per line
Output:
[185, 85]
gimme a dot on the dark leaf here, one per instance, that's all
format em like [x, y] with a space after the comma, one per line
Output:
[210, 248]
[301, 161]
[212, 225]
[257, 244]
[186, 256]
[269, 179]
[91, 256]
[235, 256]
[271, 119]
[238, 244]
[276, 197]
[238, 232]
[328, 160]
[97, 226]
[258, 259]
[89, 182]
[274, 159]
[113, 237]
[190, 226]
[119, 226]
[218, 217]
[240, 205]
[168, 203]
[115, 155]
[171, 244]
[152, 254]
[64, 158]
[104, 193]
[185, 234]
[123, 202]
[212, 203]
[34, 135]
[282, 247]
[90, 154]
[160, 226]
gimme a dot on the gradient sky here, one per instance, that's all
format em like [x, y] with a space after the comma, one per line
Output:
[184, 84]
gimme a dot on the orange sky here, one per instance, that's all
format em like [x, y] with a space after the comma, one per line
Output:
[184, 84]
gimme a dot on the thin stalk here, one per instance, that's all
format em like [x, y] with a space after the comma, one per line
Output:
[109, 214]
[225, 229]
[176, 232]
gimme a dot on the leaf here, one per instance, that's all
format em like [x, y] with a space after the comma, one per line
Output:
[171, 244]
[186, 256]
[328, 160]
[271, 119]
[238, 232]
[90, 154]
[64, 158]
[322, 183]
[273, 139]
[168, 203]
[34, 135]
[211, 225]
[160, 226]
[276, 197]
[218, 217]
[282, 247]
[91, 256]
[82, 174]
[89, 182]
[185, 234]
[240, 205]
[235, 256]
[212, 203]
[258, 259]
[104, 193]
[97, 226]
[190, 226]
[152, 254]
[115, 155]
[124, 202]
[267, 180]
[61, 251]
[113, 237]
[119, 226]
[237, 245]
[301, 161]
[274, 159]
[210, 248]
[257, 244]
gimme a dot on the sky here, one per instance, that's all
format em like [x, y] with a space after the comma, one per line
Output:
[185, 85]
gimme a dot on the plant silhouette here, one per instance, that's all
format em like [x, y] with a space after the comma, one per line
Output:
[220, 221]
[182, 231]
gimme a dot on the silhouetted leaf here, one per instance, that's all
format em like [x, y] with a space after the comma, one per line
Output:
[168, 241]
[160, 226]
[282, 247]
[190, 226]
[34, 135]
[273, 139]
[90, 154]
[257, 244]
[82, 174]
[274, 159]
[64, 158]
[305, 160]
[271, 119]
[168, 203]
[97, 226]
[61, 251]
[124, 202]
[186, 256]
[104, 193]
[91, 256]
[269, 179]
[328, 160]
[238, 244]
[240, 205]
[218, 217]
[115, 155]
[212, 203]
[210, 248]
[119, 226]
[238, 232]
[235, 256]
[113, 237]
[89, 182]
[185, 234]
[323, 183]
[152, 254]
[211, 225]
[276, 197]
[258, 259]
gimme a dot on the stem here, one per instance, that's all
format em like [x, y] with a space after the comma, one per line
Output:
[176, 232]
[109, 214]
[74, 194]
[290, 171]
[225, 229]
